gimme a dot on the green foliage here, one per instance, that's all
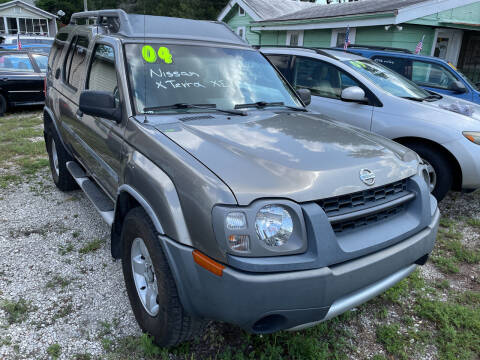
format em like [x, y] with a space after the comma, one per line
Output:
[54, 351]
[17, 311]
[91, 246]
[394, 342]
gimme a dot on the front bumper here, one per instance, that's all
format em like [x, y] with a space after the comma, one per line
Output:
[267, 302]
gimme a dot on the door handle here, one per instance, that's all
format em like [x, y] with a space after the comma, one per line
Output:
[79, 115]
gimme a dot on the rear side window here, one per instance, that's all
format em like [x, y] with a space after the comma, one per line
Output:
[432, 75]
[41, 61]
[56, 51]
[282, 63]
[16, 63]
[400, 65]
[102, 75]
[75, 60]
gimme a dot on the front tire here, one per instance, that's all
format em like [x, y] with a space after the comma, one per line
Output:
[58, 158]
[440, 170]
[150, 285]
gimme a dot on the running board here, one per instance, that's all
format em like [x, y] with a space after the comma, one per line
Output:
[94, 193]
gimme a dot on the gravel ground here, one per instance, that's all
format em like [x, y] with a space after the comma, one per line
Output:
[54, 254]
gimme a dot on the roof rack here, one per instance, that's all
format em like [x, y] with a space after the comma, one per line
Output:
[319, 51]
[381, 48]
[115, 20]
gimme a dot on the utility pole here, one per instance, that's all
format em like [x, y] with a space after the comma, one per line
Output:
[85, 5]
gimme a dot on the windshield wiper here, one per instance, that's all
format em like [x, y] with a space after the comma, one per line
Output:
[433, 97]
[264, 104]
[413, 98]
[194, 106]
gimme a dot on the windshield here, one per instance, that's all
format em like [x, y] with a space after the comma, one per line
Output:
[164, 75]
[387, 79]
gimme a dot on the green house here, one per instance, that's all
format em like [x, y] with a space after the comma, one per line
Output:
[450, 28]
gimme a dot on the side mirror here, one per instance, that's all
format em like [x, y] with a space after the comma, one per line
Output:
[101, 104]
[458, 87]
[305, 95]
[354, 94]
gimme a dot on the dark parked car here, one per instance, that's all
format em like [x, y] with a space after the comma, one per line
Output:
[22, 77]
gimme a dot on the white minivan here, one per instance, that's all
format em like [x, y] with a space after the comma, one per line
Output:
[443, 130]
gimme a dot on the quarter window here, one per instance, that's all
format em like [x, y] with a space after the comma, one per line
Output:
[282, 63]
[321, 78]
[75, 62]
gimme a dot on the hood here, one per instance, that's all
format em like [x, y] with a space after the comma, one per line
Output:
[456, 106]
[297, 156]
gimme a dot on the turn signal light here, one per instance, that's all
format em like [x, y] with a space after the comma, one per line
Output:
[207, 263]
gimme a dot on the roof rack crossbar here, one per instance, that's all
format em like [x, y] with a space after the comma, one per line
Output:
[319, 51]
[114, 19]
[381, 48]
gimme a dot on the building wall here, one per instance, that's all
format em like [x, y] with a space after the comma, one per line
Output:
[317, 38]
[407, 38]
[462, 14]
[234, 20]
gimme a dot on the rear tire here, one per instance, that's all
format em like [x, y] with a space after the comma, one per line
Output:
[441, 166]
[3, 105]
[151, 278]
[58, 158]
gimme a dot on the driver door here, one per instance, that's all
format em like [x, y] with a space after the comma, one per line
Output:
[326, 83]
[102, 136]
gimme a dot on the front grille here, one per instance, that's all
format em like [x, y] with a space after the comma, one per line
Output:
[363, 208]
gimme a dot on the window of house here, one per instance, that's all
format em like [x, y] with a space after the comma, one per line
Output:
[295, 38]
[432, 75]
[241, 11]
[241, 32]
[321, 78]
[338, 37]
[74, 65]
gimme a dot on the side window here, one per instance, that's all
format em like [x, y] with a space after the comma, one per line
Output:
[75, 62]
[57, 48]
[400, 65]
[321, 78]
[102, 75]
[16, 63]
[41, 61]
[432, 75]
[282, 63]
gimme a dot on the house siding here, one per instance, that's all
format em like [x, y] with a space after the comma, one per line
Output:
[469, 14]
[235, 21]
[407, 38]
[317, 38]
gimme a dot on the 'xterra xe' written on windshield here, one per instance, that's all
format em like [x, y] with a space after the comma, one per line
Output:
[164, 75]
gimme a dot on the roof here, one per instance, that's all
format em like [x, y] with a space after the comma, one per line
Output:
[266, 9]
[148, 26]
[348, 8]
[27, 4]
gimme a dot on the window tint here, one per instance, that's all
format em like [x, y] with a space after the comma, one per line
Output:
[400, 65]
[75, 62]
[432, 75]
[321, 78]
[42, 61]
[16, 62]
[282, 63]
[102, 74]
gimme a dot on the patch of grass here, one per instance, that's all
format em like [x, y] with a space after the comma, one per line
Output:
[65, 249]
[91, 246]
[17, 311]
[75, 234]
[58, 281]
[63, 311]
[445, 264]
[84, 356]
[393, 341]
[31, 166]
[457, 327]
[6, 341]
[9, 179]
[54, 351]
[474, 222]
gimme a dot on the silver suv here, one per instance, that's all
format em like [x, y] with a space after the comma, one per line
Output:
[226, 198]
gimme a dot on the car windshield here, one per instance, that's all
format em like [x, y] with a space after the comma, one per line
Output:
[165, 75]
[388, 80]
[42, 61]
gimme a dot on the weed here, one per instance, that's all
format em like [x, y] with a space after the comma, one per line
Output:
[6, 341]
[65, 249]
[85, 356]
[9, 179]
[54, 351]
[58, 281]
[75, 234]
[64, 311]
[394, 342]
[17, 311]
[474, 222]
[91, 246]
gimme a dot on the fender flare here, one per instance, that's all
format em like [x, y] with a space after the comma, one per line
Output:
[53, 119]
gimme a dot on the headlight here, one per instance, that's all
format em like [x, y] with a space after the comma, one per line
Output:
[274, 225]
[410, 155]
[473, 136]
